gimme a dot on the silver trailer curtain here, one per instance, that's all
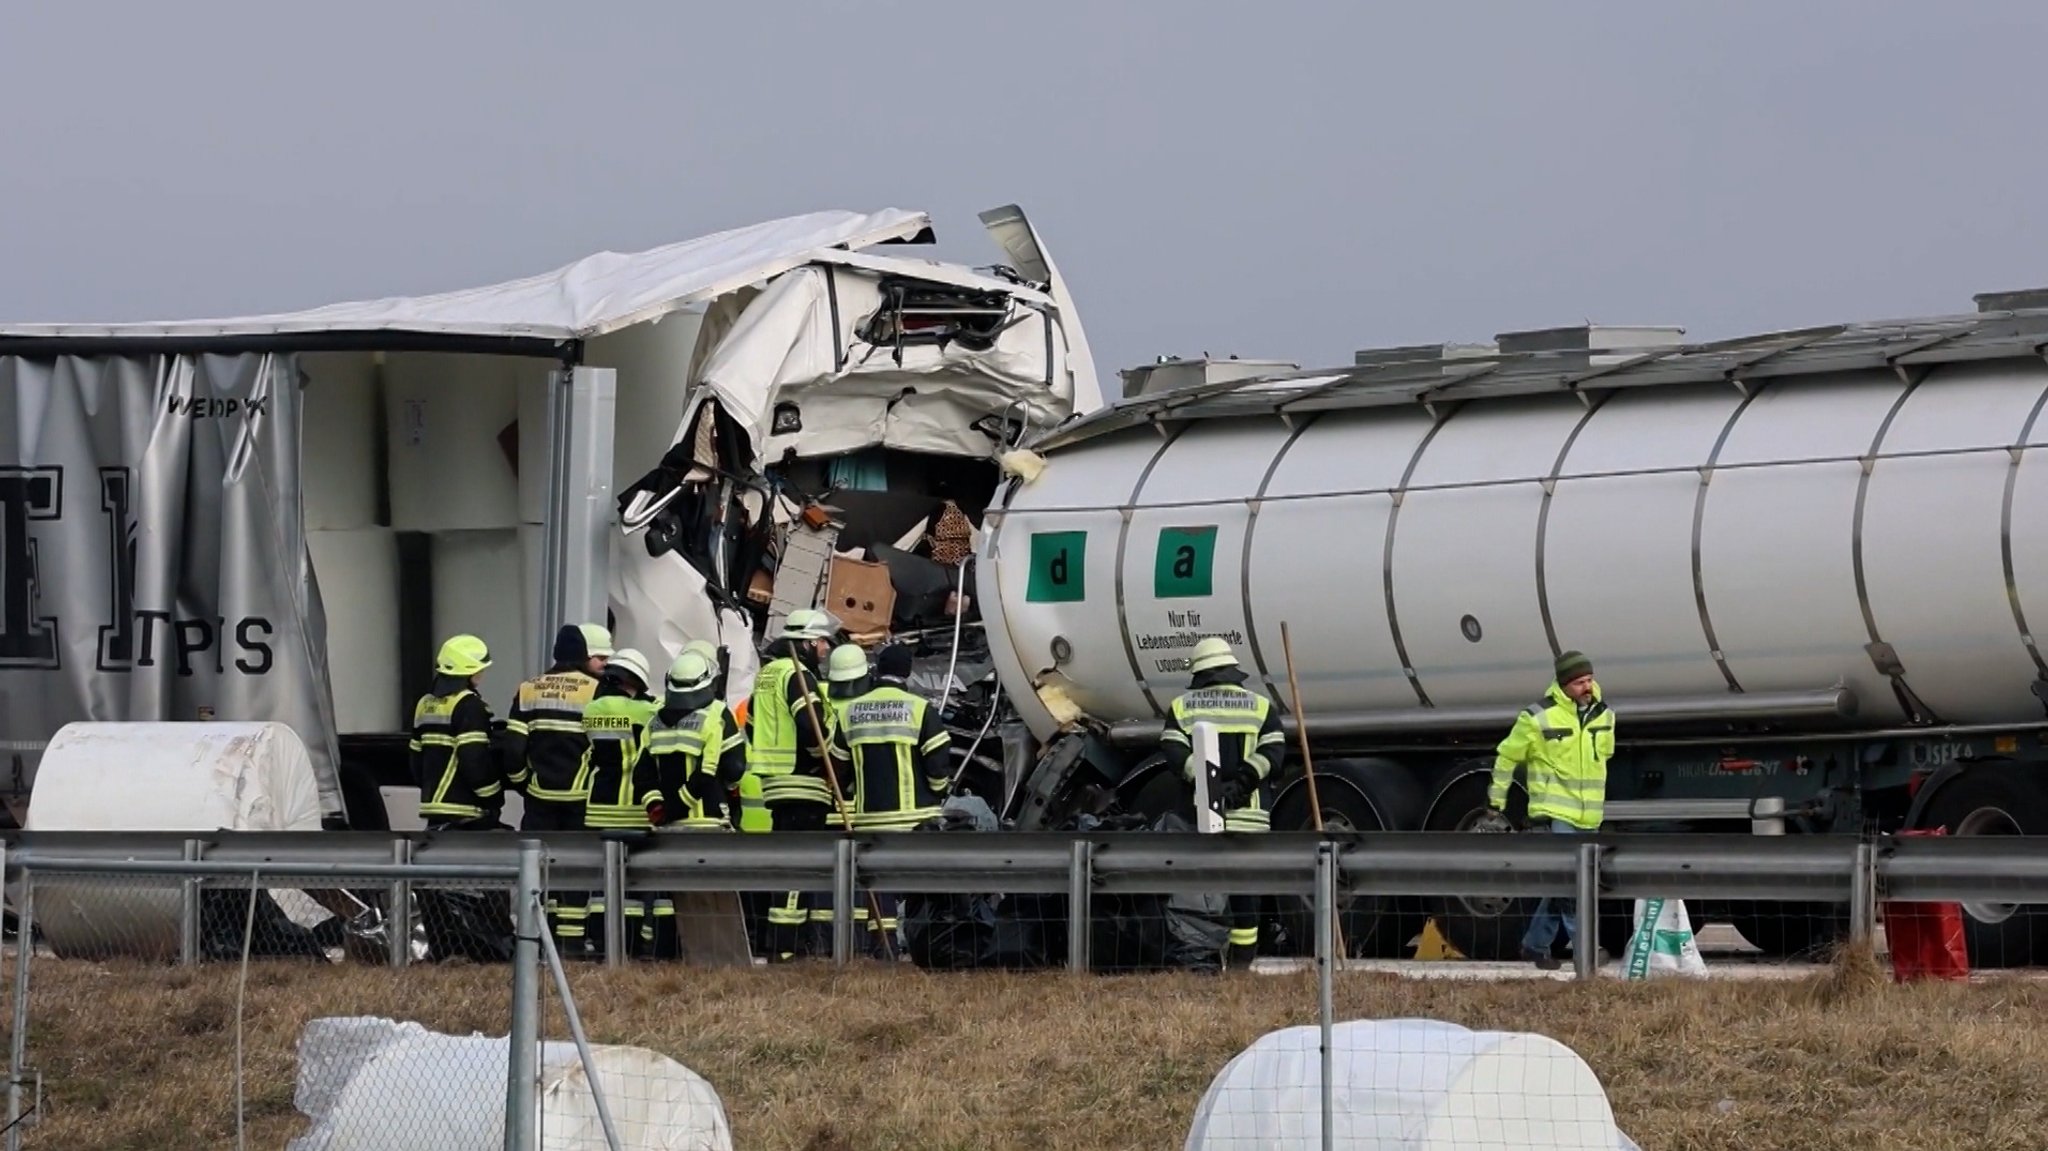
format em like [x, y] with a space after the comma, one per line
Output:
[153, 561]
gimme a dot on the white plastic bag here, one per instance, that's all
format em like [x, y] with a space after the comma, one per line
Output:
[1663, 942]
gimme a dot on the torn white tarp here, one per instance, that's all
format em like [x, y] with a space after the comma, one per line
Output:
[366, 1082]
[594, 295]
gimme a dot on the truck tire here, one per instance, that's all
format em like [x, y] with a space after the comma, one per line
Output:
[1486, 929]
[1989, 800]
[1355, 795]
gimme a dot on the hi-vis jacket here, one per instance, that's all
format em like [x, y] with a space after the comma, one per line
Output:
[545, 734]
[688, 764]
[784, 735]
[452, 762]
[1566, 758]
[616, 726]
[892, 747]
[1248, 737]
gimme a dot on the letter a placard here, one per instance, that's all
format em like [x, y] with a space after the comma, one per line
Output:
[1186, 563]
[1058, 564]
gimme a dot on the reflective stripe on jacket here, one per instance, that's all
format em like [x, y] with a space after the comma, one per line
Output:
[1565, 759]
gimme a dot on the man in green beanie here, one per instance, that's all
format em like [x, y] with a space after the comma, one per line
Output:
[1562, 744]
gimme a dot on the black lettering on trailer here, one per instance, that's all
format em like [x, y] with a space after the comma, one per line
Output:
[117, 500]
[27, 640]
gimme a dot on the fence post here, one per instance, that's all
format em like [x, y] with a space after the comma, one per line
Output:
[1080, 893]
[1586, 955]
[17, 1054]
[522, 1071]
[398, 917]
[1863, 895]
[188, 908]
[1326, 991]
[843, 903]
[614, 903]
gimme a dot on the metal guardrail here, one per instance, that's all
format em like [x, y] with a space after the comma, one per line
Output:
[2012, 869]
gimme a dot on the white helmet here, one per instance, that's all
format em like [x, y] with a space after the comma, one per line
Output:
[1212, 653]
[808, 623]
[628, 660]
[691, 672]
[704, 648]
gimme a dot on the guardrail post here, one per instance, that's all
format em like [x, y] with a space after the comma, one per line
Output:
[398, 916]
[522, 1064]
[188, 908]
[17, 1052]
[614, 903]
[1863, 895]
[1080, 894]
[1586, 955]
[843, 903]
[1326, 986]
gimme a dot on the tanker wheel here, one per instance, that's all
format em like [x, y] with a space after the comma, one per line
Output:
[1355, 795]
[1487, 928]
[1988, 801]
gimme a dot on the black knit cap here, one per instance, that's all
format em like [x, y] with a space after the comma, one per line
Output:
[1573, 664]
[570, 647]
[893, 662]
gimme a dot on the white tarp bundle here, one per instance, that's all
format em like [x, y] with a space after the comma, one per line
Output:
[1407, 1085]
[367, 1083]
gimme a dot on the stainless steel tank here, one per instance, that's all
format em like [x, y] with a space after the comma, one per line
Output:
[1861, 507]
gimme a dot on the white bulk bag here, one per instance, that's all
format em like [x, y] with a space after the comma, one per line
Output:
[1407, 1085]
[1663, 943]
[374, 1083]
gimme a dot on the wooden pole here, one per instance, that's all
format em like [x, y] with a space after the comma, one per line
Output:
[1308, 766]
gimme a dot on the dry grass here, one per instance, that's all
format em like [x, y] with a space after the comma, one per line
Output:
[816, 1060]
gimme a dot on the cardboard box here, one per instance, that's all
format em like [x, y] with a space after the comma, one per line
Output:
[860, 594]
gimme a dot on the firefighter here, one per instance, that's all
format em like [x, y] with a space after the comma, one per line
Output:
[787, 727]
[889, 752]
[745, 809]
[462, 787]
[1250, 750]
[544, 743]
[692, 756]
[615, 725]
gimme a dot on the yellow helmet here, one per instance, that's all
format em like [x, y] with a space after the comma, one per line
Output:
[703, 648]
[1212, 653]
[462, 656]
[690, 672]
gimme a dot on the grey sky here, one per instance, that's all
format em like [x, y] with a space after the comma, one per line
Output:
[1291, 180]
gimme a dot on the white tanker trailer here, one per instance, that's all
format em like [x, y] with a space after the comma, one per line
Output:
[1804, 565]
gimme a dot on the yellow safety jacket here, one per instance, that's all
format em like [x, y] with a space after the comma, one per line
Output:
[1248, 735]
[615, 726]
[789, 772]
[689, 751]
[1565, 755]
[889, 747]
[451, 757]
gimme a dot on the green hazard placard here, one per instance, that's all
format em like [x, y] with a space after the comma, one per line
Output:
[1057, 562]
[1184, 567]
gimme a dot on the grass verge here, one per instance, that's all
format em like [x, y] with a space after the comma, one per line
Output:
[820, 1060]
